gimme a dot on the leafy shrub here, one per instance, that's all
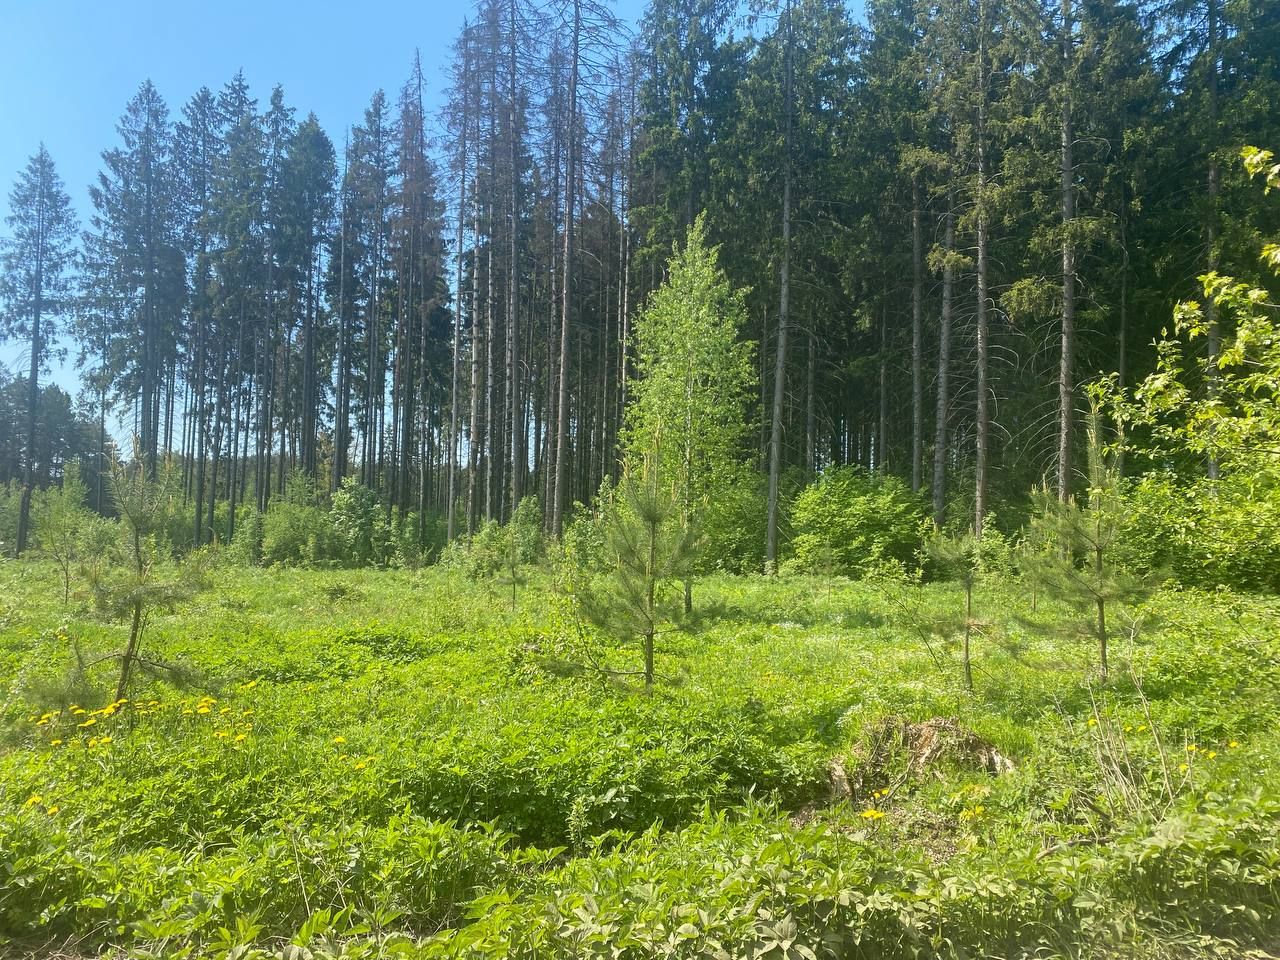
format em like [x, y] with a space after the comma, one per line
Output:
[1204, 533]
[360, 524]
[296, 529]
[849, 520]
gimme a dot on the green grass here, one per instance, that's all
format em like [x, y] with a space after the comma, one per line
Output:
[397, 763]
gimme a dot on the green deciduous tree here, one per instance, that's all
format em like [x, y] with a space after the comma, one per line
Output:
[695, 381]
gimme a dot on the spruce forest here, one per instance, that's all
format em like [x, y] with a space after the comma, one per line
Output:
[772, 480]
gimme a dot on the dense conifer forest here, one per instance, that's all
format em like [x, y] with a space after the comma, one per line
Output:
[761, 481]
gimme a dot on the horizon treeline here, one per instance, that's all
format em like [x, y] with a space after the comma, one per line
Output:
[945, 219]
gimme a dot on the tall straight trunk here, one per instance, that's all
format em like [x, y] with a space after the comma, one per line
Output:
[780, 360]
[341, 414]
[1066, 378]
[810, 408]
[562, 426]
[451, 520]
[1214, 337]
[33, 389]
[944, 373]
[473, 439]
[917, 340]
[882, 427]
[490, 433]
[513, 275]
[982, 425]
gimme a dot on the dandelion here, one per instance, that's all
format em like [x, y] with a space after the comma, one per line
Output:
[1183, 768]
[220, 733]
[1192, 748]
[1093, 721]
[1142, 727]
[34, 800]
[871, 813]
[55, 743]
[1233, 744]
[88, 723]
[1212, 754]
[188, 712]
[361, 765]
[52, 810]
[78, 711]
[241, 737]
[104, 741]
[202, 710]
[339, 739]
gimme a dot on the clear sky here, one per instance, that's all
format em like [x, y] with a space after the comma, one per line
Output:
[68, 67]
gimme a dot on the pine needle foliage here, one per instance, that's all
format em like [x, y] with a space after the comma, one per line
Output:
[1078, 566]
[651, 549]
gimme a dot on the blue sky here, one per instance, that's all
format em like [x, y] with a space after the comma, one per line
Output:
[68, 67]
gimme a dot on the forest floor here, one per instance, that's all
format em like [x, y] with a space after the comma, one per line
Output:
[397, 763]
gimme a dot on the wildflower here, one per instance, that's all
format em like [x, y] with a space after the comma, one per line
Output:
[43, 721]
[871, 813]
[104, 741]
[1142, 727]
[78, 711]
[361, 765]
[34, 800]
[55, 743]
[1192, 748]
[1128, 728]
[88, 723]
[241, 737]
[220, 733]
[339, 739]
[188, 712]
[1183, 768]
[202, 710]
[52, 810]
[1233, 744]
[1093, 721]
[1212, 754]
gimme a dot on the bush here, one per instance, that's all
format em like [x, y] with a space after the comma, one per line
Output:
[1204, 533]
[296, 530]
[849, 521]
[361, 524]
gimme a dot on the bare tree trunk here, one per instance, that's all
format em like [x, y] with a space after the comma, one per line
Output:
[917, 340]
[944, 373]
[780, 362]
[982, 426]
[562, 427]
[1066, 378]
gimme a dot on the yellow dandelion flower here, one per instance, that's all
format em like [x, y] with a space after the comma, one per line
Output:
[871, 813]
[1212, 753]
[220, 733]
[1183, 768]
[1233, 744]
[1142, 727]
[88, 723]
[1093, 721]
[104, 741]
[78, 711]
[339, 739]
[202, 710]
[241, 737]
[361, 765]
[55, 743]
[52, 810]
[1192, 748]
[34, 800]
[42, 722]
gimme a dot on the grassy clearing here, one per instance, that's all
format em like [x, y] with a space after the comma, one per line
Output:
[396, 763]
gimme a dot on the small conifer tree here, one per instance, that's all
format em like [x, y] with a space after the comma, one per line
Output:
[1077, 567]
[957, 557]
[651, 549]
